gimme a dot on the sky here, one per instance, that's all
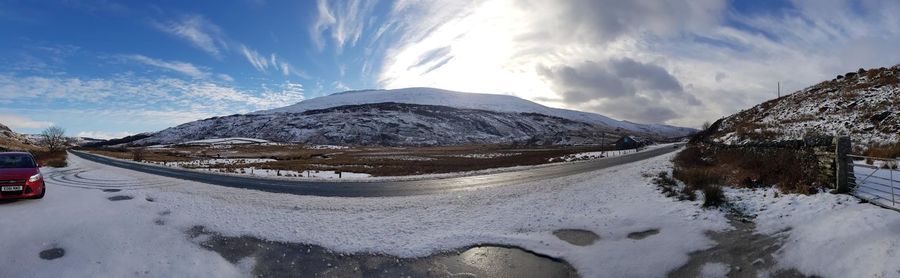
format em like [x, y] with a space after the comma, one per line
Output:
[106, 69]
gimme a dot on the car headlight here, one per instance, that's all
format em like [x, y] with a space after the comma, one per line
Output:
[35, 178]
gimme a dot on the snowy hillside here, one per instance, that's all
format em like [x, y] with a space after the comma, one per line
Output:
[490, 102]
[863, 104]
[11, 140]
[388, 124]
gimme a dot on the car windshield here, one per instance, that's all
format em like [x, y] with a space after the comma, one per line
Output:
[16, 161]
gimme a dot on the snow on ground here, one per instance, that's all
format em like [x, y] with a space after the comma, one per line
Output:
[592, 155]
[484, 155]
[612, 203]
[829, 235]
[101, 238]
[714, 270]
[328, 147]
[227, 141]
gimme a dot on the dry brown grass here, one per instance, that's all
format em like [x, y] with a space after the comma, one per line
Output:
[884, 151]
[161, 156]
[51, 159]
[376, 161]
[701, 168]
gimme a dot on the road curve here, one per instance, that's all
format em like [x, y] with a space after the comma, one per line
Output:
[383, 188]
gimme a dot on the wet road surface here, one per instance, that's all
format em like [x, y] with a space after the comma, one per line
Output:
[280, 259]
[385, 188]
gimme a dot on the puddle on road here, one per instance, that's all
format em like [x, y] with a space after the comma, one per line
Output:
[278, 259]
[120, 198]
[643, 234]
[576, 237]
[747, 253]
[52, 254]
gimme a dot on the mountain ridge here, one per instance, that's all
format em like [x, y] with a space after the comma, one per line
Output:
[480, 101]
[388, 124]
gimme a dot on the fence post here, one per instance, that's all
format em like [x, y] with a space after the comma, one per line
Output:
[842, 164]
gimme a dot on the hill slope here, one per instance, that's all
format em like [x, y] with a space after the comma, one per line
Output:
[10, 140]
[862, 104]
[387, 124]
[489, 102]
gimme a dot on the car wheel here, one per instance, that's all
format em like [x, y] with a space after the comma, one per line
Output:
[42, 193]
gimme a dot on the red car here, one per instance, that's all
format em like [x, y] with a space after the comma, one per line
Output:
[20, 177]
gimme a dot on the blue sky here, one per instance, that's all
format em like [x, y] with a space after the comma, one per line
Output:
[104, 68]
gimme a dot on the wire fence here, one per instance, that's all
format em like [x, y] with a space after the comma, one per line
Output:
[876, 180]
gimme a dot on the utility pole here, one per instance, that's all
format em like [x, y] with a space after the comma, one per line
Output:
[779, 89]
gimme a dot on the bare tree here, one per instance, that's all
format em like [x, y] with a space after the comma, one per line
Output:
[705, 125]
[54, 138]
[137, 154]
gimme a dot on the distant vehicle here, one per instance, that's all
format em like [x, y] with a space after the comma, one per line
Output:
[20, 177]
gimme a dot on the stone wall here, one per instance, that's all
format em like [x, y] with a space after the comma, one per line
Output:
[819, 152]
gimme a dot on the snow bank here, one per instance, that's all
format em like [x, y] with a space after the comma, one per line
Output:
[828, 235]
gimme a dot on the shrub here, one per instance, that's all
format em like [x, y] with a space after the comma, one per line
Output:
[692, 156]
[666, 184]
[713, 196]
[137, 155]
[56, 159]
[688, 193]
[697, 177]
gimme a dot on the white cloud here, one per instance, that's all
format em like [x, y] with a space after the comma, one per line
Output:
[262, 64]
[344, 21]
[142, 93]
[198, 31]
[258, 61]
[18, 122]
[340, 86]
[497, 46]
[225, 77]
[177, 66]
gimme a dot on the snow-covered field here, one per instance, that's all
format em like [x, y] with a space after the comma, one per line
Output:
[602, 154]
[217, 165]
[829, 235]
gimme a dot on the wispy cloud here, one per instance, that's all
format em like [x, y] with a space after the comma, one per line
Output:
[17, 122]
[141, 93]
[258, 61]
[343, 21]
[176, 66]
[198, 31]
[262, 64]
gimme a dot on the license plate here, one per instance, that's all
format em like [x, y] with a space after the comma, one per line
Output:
[11, 188]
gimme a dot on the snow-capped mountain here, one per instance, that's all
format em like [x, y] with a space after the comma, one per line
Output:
[489, 102]
[389, 124]
[863, 104]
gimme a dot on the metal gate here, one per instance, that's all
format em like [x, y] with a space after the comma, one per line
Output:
[875, 179]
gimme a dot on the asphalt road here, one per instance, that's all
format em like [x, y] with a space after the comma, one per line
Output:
[384, 188]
